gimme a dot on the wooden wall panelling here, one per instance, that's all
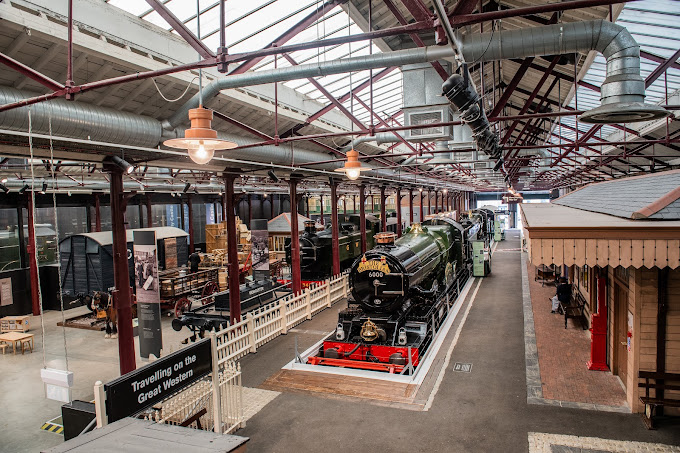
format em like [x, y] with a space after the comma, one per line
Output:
[569, 252]
[614, 258]
[674, 253]
[591, 252]
[602, 252]
[625, 253]
[580, 252]
[649, 253]
[637, 253]
[558, 251]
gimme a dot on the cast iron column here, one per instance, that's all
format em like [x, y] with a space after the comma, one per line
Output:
[307, 205]
[354, 204]
[122, 295]
[32, 259]
[321, 207]
[97, 214]
[362, 216]
[398, 198]
[294, 236]
[224, 208]
[232, 251]
[149, 221]
[344, 205]
[335, 230]
[191, 224]
[429, 202]
[271, 207]
[410, 206]
[383, 212]
[422, 202]
[250, 212]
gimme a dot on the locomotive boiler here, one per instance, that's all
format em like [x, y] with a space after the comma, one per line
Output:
[316, 248]
[402, 291]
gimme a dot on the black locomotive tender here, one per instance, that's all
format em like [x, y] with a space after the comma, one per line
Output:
[402, 291]
[316, 248]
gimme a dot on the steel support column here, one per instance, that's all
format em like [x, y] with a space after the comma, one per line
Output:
[383, 211]
[321, 209]
[32, 258]
[249, 200]
[410, 206]
[335, 230]
[422, 202]
[149, 220]
[362, 216]
[232, 251]
[97, 214]
[429, 202]
[397, 197]
[191, 223]
[122, 295]
[296, 278]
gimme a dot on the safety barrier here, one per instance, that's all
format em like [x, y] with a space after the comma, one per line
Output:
[268, 322]
[195, 406]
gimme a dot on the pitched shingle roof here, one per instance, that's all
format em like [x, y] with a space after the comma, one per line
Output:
[655, 196]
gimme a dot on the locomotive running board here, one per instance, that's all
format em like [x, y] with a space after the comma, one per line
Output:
[421, 370]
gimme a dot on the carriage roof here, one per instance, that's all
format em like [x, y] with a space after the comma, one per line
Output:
[105, 238]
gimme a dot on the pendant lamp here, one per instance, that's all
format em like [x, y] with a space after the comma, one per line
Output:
[200, 140]
[352, 167]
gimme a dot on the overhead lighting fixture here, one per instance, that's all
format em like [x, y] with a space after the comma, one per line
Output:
[200, 140]
[4, 188]
[264, 195]
[187, 186]
[124, 165]
[273, 176]
[23, 189]
[352, 168]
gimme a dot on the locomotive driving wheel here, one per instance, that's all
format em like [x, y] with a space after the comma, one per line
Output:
[181, 306]
[210, 288]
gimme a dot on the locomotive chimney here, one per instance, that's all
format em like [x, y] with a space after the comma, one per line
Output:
[310, 226]
[385, 238]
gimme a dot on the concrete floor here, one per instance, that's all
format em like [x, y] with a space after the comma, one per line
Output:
[482, 411]
[23, 406]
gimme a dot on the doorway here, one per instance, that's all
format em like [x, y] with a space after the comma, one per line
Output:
[621, 330]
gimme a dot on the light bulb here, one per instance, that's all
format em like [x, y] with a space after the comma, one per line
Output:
[201, 155]
[353, 173]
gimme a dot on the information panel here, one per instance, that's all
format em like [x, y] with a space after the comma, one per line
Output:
[146, 386]
[148, 293]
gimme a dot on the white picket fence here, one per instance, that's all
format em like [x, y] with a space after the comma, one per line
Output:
[221, 393]
[268, 322]
[179, 409]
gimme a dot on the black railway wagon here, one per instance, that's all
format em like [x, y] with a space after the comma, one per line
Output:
[87, 259]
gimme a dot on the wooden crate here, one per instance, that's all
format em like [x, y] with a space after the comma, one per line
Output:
[215, 236]
[15, 324]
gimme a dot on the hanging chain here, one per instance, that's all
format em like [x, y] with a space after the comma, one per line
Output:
[34, 245]
[56, 229]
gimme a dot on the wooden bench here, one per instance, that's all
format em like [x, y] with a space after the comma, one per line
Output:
[575, 309]
[660, 383]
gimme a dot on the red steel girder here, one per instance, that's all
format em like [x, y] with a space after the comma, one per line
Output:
[468, 19]
[342, 98]
[328, 95]
[290, 33]
[463, 7]
[658, 59]
[531, 98]
[416, 39]
[182, 29]
[661, 69]
[30, 73]
[417, 9]
[498, 108]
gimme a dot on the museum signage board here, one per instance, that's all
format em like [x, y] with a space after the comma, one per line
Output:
[146, 386]
[148, 294]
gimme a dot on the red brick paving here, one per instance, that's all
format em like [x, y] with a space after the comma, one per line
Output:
[563, 353]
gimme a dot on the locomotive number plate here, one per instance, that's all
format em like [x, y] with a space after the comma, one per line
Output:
[376, 274]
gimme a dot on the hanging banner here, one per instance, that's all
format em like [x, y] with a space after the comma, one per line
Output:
[209, 214]
[185, 227]
[259, 238]
[172, 217]
[148, 293]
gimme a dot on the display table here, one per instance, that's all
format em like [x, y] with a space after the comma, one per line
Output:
[17, 338]
[14, 324]
[134, 435]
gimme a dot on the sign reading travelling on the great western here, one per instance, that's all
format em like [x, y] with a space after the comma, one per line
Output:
[154, 382]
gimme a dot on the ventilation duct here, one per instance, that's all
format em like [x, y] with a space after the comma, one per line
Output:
[623, 90]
